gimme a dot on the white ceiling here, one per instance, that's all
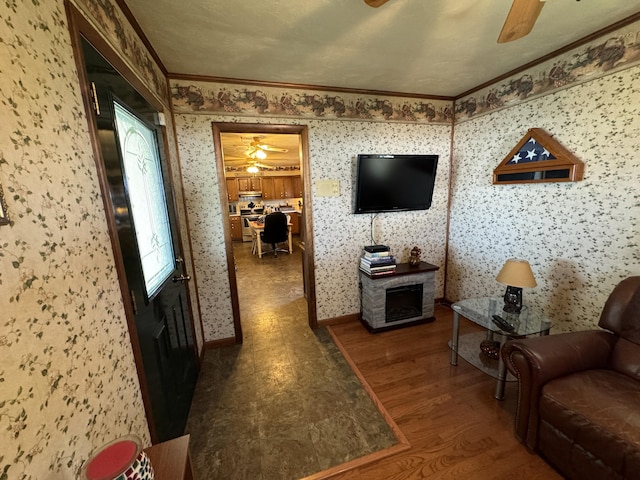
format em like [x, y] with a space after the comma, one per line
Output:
[237, 149]
[433, 47]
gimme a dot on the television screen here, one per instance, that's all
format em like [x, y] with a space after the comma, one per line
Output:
[389, 183]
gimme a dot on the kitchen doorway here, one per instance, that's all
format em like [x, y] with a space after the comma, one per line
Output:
[255, 174]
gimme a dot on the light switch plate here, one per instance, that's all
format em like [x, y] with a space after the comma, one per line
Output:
[328, 188]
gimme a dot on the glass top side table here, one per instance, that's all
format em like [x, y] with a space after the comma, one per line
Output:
[480, 311]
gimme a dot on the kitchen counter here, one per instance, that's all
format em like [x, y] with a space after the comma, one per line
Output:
[289, 210]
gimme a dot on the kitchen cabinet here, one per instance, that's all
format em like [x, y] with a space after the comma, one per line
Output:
[276, 188]
[297, 187]
[249, 184]
[268, 188]
[283, 187]
[287, 190]
[232, 189]
[236, 227]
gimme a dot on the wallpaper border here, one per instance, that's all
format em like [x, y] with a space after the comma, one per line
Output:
[603, 56]
[210, 97]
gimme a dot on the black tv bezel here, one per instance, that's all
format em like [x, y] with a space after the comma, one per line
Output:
[433, 157]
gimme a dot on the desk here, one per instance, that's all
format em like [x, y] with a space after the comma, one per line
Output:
[256, 228]
[480, 312]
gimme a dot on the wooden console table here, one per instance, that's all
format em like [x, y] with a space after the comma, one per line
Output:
[171, 459]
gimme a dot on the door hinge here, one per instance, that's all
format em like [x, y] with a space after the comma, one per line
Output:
[94, 99]
[133, 302]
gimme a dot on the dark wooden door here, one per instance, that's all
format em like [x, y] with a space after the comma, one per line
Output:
[135, 166]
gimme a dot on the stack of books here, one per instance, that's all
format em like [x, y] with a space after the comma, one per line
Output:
[377, 260]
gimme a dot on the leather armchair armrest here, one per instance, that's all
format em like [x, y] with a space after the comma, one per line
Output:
[538, 360]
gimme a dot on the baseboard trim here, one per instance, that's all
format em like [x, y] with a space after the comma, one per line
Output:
[223, 342]
[353, 317]
[444, 301]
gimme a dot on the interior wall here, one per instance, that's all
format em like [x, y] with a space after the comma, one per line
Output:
[69, 381]
[581, 238]
[339, 235]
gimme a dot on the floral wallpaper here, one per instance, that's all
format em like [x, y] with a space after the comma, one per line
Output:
[233, 99]
[112, 23]
[179, 203]
[581, 238]
[67, 374]
[339, 235]
[197, 156]
[602, 56]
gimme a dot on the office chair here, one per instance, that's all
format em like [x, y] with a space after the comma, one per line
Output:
[275, 231]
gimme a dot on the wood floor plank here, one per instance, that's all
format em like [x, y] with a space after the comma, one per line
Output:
[454, 426]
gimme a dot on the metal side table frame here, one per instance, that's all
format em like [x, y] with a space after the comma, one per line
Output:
[480, 311]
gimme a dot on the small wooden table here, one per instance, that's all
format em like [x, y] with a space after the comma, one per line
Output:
[256, 228]
[171, 460]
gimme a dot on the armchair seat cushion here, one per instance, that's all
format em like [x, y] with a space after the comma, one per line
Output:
[590, 424]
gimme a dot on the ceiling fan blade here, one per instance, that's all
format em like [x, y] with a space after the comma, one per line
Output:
[520, 20]
[263, 146]
[375, 3]
[269, 148]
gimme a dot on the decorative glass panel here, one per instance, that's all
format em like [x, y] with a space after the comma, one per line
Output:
[145, 189]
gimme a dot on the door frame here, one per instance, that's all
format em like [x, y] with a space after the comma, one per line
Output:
[80, 27]
[307, 256]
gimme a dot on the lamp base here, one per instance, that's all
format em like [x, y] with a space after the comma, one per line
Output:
[512, 300]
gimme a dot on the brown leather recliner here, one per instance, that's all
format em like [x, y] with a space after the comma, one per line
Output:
[579, 393]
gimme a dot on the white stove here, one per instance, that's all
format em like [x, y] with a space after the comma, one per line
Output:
[249, 211]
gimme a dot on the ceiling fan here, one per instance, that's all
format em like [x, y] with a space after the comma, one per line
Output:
[257, 145]
[520, 20]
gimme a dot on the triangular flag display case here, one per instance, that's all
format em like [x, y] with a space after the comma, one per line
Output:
[538, 158]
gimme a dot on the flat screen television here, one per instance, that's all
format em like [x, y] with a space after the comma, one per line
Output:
[391, 183]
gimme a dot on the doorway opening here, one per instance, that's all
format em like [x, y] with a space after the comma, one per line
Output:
[264, 169]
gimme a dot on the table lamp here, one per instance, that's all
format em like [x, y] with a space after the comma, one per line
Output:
[515, 274]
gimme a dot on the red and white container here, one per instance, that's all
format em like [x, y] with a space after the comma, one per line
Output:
[121, 459]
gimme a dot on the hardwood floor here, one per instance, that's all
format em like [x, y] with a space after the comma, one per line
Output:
[456, 429]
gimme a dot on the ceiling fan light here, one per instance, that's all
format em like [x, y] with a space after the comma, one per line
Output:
[261, 154]
[252, 169]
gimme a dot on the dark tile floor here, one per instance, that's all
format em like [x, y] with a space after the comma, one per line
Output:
[284, 404]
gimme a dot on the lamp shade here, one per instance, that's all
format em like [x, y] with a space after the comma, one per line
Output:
[516, 273]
